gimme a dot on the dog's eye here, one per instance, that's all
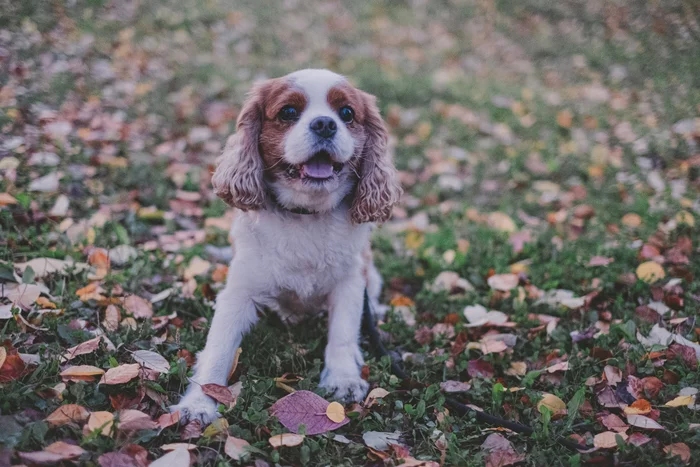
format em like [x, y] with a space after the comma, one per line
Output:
[346, 114]
[288, 113]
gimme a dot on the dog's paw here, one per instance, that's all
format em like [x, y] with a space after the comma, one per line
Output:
[344, 387]
[196, 405]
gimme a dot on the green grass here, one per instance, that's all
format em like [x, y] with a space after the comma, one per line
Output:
[134, 81]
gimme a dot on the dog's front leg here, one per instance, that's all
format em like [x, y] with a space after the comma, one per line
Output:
[234, 315]
[343, 359]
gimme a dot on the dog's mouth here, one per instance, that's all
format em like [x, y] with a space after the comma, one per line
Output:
[319, 168]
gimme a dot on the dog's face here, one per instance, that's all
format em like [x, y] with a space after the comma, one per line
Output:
[309, 140]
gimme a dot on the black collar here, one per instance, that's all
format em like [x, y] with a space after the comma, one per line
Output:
[277, 204]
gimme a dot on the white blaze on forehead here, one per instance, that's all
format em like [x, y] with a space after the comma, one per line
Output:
[315, 83]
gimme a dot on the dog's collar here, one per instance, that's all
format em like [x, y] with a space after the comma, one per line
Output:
[277, 204]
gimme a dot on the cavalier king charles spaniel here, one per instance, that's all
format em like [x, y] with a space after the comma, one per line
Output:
[309, 173]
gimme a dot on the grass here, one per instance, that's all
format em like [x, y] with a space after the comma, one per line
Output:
[530, 109]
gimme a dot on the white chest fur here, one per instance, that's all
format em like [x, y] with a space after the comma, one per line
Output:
[292, 261]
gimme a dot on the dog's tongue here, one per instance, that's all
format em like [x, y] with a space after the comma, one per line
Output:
[318, 169]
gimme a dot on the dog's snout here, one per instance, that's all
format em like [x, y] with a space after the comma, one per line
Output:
[325, 127]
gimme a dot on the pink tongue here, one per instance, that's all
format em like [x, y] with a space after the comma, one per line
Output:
[316, 169]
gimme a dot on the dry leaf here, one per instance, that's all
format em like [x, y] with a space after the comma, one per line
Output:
[608, 439]
[134, 420]
[152, 361]
[69, 413]
[177, 458]
[374, 394]
[305, 408]
[138, 307]
[168, 419]
[335, 412]
[640, 421]
[121, 374]
[286, 439]
[503, 282]
[553, 403]
[678, 450]
[83, 348]
[650, 272]
[501, 221]
[102, 421]
[235, 448]
[680, 401]
[638, 407]
[81, 372]
[220, 394]
[217, 427]
[197, 267]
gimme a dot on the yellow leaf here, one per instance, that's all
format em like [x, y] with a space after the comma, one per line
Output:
[3, 356]
[220, 425]
[335, 412]
[638, 407]
[414, 240]
[501, 221]
[650, 272]
[684, 217]
[680, 401]
[286, 439]
[552, 402]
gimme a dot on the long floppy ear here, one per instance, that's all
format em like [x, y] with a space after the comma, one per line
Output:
[238, 178]
[378, 189]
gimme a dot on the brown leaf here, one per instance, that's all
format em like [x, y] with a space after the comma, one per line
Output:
[480, 368]
[134, 420]
[138, 307]
[83, 348]
[54, 453]
[614, 423]
[286, 439]
[68, 413]
[192, 430]
[219, 393]
[112, 318]
[652, 386]
[235, 448]
[81, 372]
[305, 408]
[121, 374]
[608, 439]
[678, 450]
[102, 422]
[168, 419]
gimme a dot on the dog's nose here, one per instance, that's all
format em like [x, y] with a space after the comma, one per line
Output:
[324, 127]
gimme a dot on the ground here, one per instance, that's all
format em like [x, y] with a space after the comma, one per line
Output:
[549, 155]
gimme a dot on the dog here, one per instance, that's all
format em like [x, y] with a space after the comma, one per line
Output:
[309, 174]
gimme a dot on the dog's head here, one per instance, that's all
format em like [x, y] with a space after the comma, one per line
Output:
[309, 139]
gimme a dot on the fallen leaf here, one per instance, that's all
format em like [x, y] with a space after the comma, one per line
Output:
[501, 221]
[121, 374]
[638, 407]
[53, 454]
[614, 423]
[380, 440]
[374, 394]
[455, 386]
[220, 394]
[102, 422]
[174, 446]
[168, 419]
[83, 348]
[21, 295]
[85, 372]
[640, 421]
[305, 408]
[613, 375]
[678, 450]
[680, 401]
[236, 448]
[134, 420]
[650, 272]
[553, 403]
[197, 267]
[286, 439]
[152, 361]
[335, 412]
[608, 439]
[138, 307]
[177, 458]
[68, 413]
[43, 267]
[503, 282]
[215, 428]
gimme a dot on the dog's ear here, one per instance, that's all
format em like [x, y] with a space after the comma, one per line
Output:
[378, 189]
[238, 178]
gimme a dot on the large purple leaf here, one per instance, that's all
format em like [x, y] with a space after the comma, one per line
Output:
[305, 408]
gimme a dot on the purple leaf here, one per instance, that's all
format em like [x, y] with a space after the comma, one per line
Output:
[305, 408]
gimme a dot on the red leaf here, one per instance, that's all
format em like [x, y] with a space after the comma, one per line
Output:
[305, 408]
[219, 393]
[480, 368]
[13, 368]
